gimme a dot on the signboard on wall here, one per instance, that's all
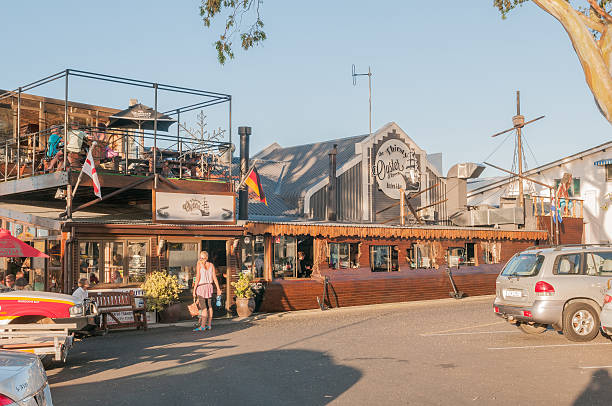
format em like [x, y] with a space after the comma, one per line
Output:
[396, 166]
[194, 208]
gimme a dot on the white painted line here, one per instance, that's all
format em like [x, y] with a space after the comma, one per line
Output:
[465, 328]
[470, 333]
[601, 367]
[547, 346]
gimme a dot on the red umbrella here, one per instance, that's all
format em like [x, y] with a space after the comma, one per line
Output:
[14, 247]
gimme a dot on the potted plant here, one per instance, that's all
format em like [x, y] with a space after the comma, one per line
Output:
[161, 291]
[244, 295]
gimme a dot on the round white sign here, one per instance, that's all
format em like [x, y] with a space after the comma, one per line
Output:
[396, 167]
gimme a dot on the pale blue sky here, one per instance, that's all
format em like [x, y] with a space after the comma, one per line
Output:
[445, 71]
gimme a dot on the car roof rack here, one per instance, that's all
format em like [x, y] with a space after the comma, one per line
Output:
[583, 246]
[559, 247]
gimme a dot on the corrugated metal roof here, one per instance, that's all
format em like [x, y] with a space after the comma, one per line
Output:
[287, 172]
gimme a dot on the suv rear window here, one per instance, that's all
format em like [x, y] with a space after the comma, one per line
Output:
[567, 265]
[524, 265]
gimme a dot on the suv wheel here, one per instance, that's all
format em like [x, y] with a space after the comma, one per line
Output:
[580, 322]
[531, 329]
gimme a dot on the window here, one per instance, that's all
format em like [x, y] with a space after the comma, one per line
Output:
[455, 256]
[253, 255]
[182, 259]
[524, 265]
[136, 261]
[490, 252]
[567, 264]
[383, 258]
[599, 263]
[609, 172]
[89, 255]
[113, 262]
[285, 250]
[421, 255]
[343, 255]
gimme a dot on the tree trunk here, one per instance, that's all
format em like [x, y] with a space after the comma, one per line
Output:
[594, 61]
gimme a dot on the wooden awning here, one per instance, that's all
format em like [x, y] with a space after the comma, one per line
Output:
[381, 232]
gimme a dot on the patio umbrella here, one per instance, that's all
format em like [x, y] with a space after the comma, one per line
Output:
[141, 117]
[13, 247]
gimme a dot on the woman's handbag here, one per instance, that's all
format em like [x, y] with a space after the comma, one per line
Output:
[193, 309]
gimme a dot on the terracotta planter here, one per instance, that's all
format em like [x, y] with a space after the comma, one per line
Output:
[245, 306]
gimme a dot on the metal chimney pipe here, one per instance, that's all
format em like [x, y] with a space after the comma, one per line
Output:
[331, 187]
[243, 193]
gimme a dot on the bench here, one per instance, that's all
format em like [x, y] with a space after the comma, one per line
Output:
[113, 302]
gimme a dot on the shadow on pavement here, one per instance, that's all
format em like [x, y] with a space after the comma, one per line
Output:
[278, 377]
[598, 392]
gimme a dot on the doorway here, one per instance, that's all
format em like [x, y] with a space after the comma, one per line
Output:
[217, 255]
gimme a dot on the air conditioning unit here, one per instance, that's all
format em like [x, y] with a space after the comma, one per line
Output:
[429, 214]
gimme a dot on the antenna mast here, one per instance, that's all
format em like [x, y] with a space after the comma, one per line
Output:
[369, 75]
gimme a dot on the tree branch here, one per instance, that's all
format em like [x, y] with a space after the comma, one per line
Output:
[592, 24]
[600, 11]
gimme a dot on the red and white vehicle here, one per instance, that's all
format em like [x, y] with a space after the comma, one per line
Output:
[22, 306]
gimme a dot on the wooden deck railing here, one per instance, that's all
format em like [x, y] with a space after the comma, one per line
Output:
[571, 207]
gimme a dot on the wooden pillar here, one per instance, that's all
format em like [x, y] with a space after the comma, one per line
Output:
[476, 263]
[268, 256]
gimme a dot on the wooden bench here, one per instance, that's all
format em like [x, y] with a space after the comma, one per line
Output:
[112, 302]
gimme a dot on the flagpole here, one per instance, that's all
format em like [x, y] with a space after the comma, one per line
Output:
[76, 186]
[245, 177]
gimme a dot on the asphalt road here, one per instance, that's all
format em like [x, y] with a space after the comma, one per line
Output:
[427, 353]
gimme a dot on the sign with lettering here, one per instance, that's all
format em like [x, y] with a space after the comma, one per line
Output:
[194, 208]
[396, 166]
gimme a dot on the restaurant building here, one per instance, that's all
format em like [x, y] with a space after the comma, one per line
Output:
[365, 219]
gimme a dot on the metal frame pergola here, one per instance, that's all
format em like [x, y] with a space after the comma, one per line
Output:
[209, 99]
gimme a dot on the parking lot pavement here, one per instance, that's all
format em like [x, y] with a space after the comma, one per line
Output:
[426, 353]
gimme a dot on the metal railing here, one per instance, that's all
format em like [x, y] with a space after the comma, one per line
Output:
[122, 151]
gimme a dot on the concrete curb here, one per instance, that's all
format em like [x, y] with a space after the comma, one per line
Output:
[317, 312]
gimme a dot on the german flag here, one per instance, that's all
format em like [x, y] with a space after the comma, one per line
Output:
[254, 183]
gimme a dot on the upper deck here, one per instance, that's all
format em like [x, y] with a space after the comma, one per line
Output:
[44, 143]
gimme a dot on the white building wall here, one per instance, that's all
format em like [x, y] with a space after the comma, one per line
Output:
[594, 191]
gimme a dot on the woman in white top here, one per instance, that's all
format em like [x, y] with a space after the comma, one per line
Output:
[203, 290]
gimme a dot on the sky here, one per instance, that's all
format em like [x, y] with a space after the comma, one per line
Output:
[446, 72]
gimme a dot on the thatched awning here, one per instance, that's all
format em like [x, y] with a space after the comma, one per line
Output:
[331, 230]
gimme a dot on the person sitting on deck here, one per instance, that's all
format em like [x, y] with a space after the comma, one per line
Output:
[74, 145]
[55, 153]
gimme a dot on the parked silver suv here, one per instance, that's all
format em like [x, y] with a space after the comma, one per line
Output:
[562, 287]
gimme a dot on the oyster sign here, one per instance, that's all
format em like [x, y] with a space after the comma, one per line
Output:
[396, 167]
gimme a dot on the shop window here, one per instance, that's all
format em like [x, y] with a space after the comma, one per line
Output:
[343, 255]
[455, 256]
[37, 271]
[89, 254]
[182, 260]
[609, 173]
[136, 261]
[420, 255]
[285, 255]
[490, 252]
[383, 258]
[113, 262]
[54, 266]
[253, 255]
